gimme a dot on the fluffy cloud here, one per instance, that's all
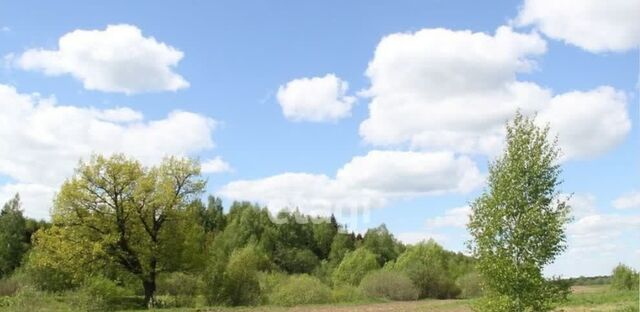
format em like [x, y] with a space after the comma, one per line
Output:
[363, 183]
[593, 25]
[117, 59]
[456, 217]
[588, 123]
[449, 89]
[215, 165]
[410, 172]
[628, 201]
[41, 141]
[315, 99]
[454, 90]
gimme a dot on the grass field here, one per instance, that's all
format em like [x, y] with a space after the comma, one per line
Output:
[583, 298]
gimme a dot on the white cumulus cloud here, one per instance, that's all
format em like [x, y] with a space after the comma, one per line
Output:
[454, 90]
[315, 99]
[42, 141]
[116, 59]
[628, 201]
[593, 25]
[365, 182]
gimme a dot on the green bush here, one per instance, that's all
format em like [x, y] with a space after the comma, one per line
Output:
[269, 283]
[8, 287]
[389, 285]
[470, 285]
[300, 289]
[241, 276]
[347, 294]
[354, 267]
[181, 287]
[624, 278]
[49, 279]
[30, 299]
[427, 264]
[99, 294]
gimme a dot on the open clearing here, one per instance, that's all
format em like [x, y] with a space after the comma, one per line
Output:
[597, 298]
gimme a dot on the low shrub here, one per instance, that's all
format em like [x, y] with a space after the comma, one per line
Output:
[99, 294]
[49, 279]
[8, 287]
[29, 299]
[300, 289]
[269, 283]
[347, 294]
[389, 285]
[181, 287]
[470, 285]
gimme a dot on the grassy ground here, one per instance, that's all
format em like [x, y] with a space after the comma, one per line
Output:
[582, 299]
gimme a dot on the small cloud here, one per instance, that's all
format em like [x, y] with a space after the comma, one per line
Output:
[216, 165]
[316, 99]
[627, 201]
[5, 29]
[456, 217]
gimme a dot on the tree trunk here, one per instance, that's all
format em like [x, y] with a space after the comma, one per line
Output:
[149, 291]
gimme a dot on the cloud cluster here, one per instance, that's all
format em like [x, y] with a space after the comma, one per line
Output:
[117, 59]
[42, 141]
[315, 99]
[363, 183]
[593, 25]
[454, 90]
[593, 232]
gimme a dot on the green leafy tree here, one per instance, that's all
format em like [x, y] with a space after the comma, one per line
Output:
[296, 260]
[12, 236]
[113, 212]
[382, 243]
[355, 266]
[213, 218]
[517, 224]
[323, 233]
[342, 244]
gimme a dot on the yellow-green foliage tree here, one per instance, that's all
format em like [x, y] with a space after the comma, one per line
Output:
[114, 212]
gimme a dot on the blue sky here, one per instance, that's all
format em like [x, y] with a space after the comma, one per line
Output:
[279, 92]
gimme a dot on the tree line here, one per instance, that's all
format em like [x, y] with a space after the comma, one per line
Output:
[121, 231]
